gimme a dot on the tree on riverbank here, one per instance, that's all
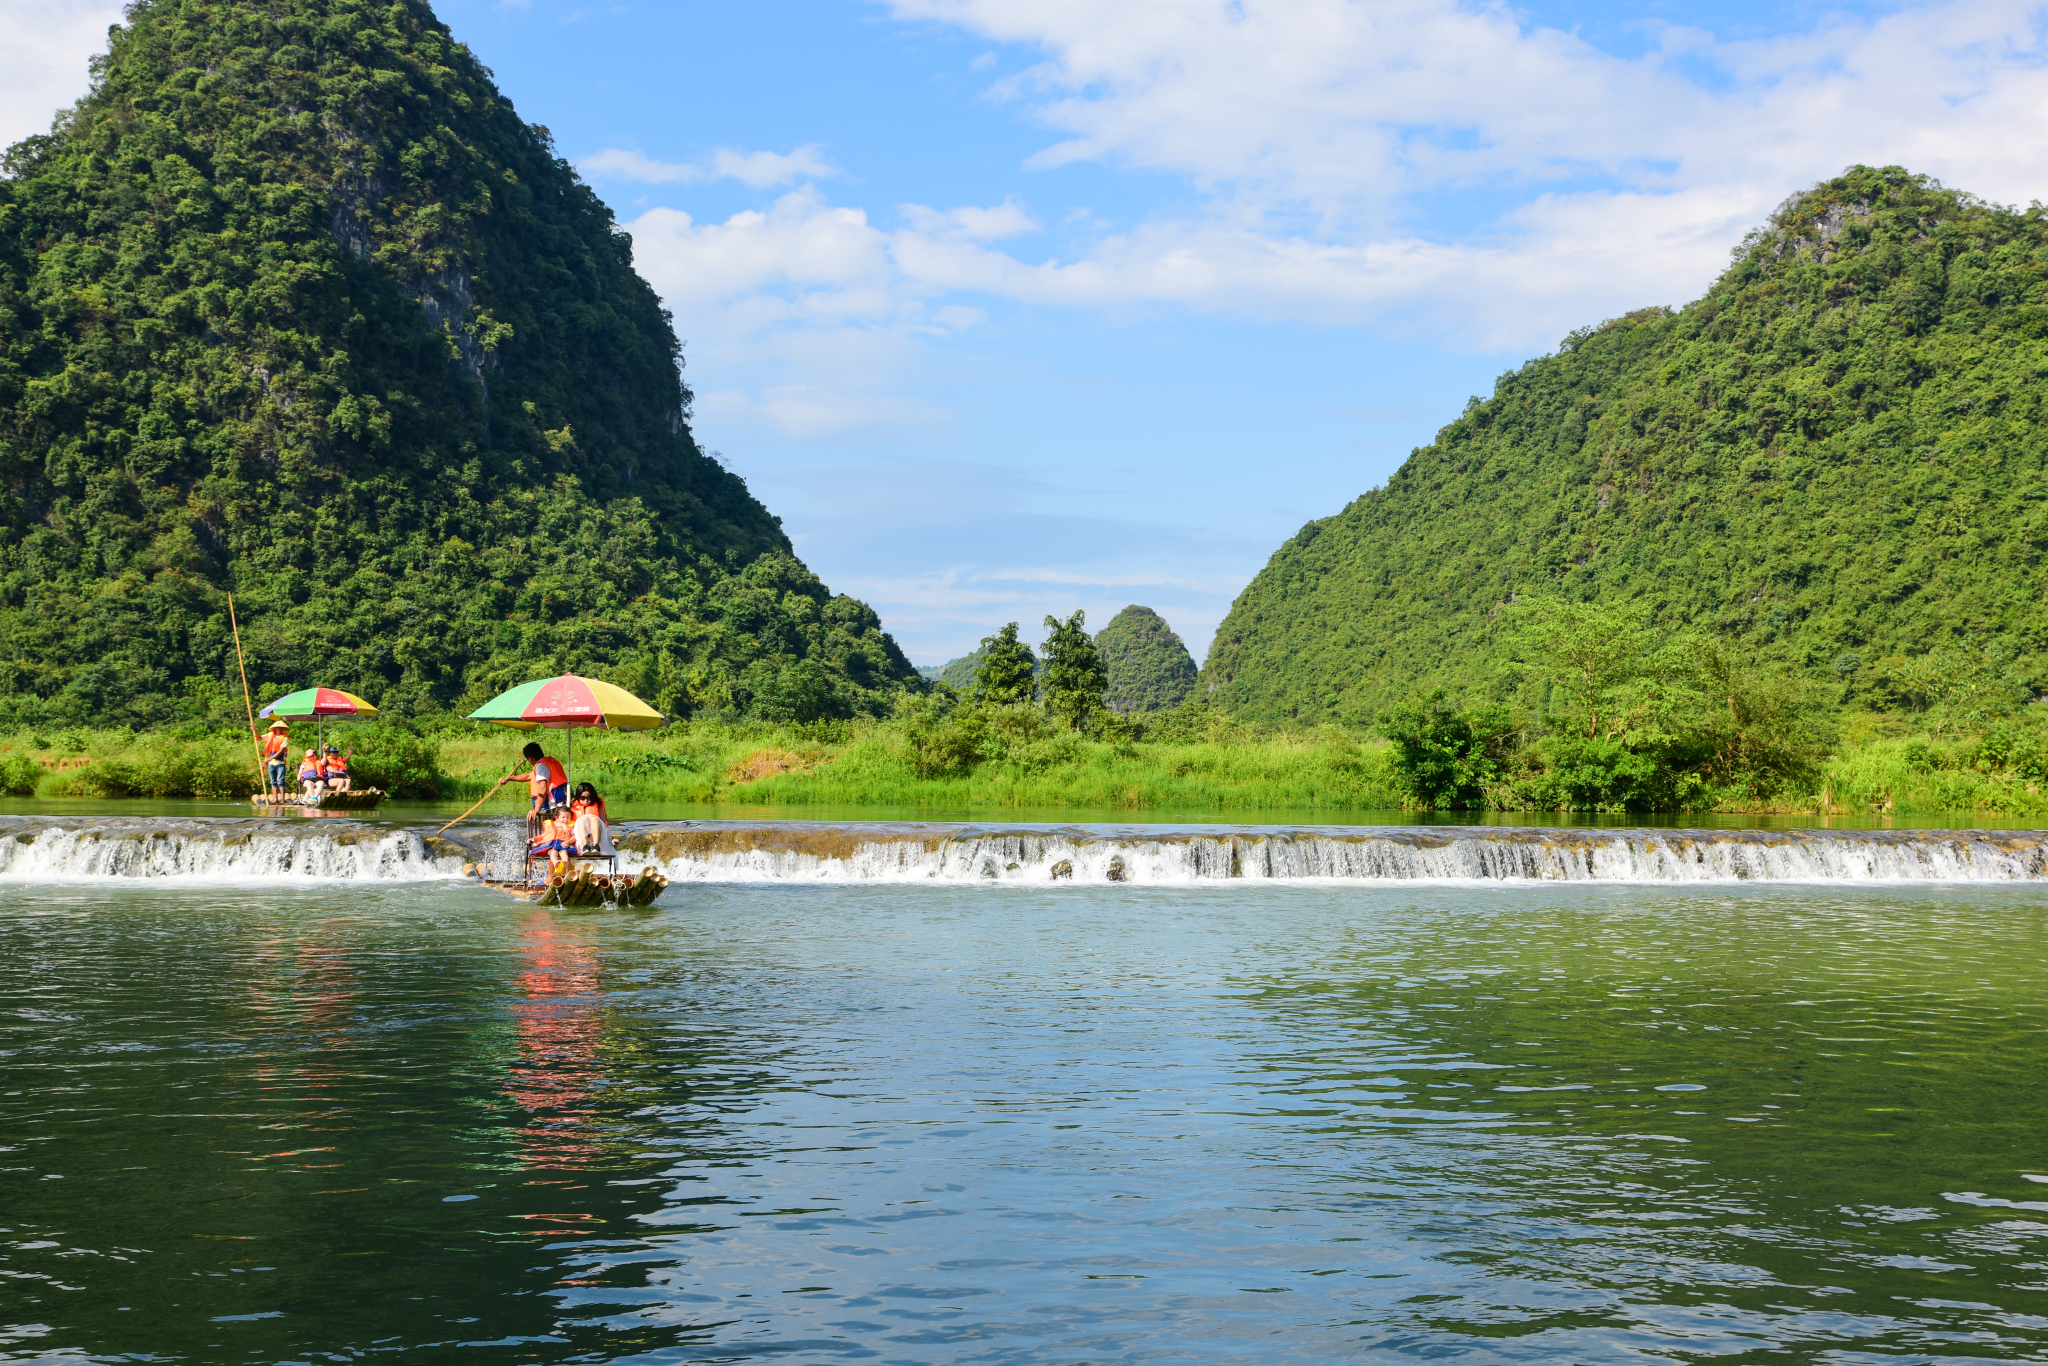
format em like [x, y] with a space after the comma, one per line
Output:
[1074, 673]
[1008, 672]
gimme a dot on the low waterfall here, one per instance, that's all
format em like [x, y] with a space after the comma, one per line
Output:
[58, 848]
[202, 850]
[719, 851]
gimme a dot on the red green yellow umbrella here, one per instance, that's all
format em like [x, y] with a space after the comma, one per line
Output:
[569, 703]
[319, 702]
[565, 703]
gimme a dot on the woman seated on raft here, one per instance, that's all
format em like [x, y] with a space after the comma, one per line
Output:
[592, 828]
[312, 779]
[334, 769]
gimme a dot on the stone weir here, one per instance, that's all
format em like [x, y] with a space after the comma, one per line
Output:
[752, 851]
[205, 849]
[61, 847]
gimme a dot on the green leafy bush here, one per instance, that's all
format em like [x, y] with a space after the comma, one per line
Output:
[1449, 760]
[19, 775]
[1578, 773]
[217, 769]
[401, 762]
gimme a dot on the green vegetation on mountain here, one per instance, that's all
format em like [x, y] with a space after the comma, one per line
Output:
[1149, 668]
[1832, 467]
[293, 305]
[1640, 720]
[958, 674]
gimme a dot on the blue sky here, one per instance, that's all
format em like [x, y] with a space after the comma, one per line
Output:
[1010, 307]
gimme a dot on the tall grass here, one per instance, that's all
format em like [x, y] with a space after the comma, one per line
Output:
[1877, 768]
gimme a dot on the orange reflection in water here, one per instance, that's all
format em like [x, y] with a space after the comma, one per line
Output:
[557, 1073]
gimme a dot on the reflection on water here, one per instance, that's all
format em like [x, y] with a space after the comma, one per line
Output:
[557, 1075]
[944, 1124]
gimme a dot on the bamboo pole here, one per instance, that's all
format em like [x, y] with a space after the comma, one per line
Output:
[248, 702]
[479, 802]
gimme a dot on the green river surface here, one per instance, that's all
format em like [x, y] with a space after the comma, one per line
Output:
[421, 1122]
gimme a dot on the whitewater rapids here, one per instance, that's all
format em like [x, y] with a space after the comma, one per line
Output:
[240, 850]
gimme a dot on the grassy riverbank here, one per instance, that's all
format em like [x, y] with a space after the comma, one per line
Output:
[1880, 765]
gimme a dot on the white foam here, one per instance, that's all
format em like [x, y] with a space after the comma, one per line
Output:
[1443, 855]
[240, 851]
[231, 853]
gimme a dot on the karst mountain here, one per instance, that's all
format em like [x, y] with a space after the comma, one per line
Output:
[1833, 462]
[294, 305]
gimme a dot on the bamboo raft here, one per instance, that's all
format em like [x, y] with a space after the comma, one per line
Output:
[355, 799]
[580, 886]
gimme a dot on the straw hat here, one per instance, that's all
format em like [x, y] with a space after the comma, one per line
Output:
[280, 724]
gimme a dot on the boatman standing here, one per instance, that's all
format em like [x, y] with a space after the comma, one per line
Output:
[547, 780]
[275, 744]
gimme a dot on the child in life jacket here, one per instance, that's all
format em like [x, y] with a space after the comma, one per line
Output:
[557, 837]
[311, 778]
[545, 841]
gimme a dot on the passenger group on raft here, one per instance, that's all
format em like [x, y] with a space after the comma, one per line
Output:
[558, 825]
[319, 774]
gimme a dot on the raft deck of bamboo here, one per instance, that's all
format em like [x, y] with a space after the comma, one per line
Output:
[355, 799]
[581, 886]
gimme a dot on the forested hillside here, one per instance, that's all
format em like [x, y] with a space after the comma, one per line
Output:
[293, 305]
[1833, 462]
[1149, 668]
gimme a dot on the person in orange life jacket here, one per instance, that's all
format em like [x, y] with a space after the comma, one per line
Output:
[334, 769]
[557, 836]
[310, 777]
[590, 827]
[547, 779]
[542, 841]
[275, 745]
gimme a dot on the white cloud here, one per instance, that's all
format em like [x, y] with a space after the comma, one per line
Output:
[1344, 105]
[759, 170]
[1318, 128]
[1318, 131]
[971, 224]
[43, 69]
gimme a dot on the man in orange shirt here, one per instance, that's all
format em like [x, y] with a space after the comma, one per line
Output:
[275, 744]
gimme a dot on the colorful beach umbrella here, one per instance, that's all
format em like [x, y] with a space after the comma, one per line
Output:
[566, 703]
[319, 702]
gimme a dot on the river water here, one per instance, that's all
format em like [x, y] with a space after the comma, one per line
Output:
[336, 1105]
